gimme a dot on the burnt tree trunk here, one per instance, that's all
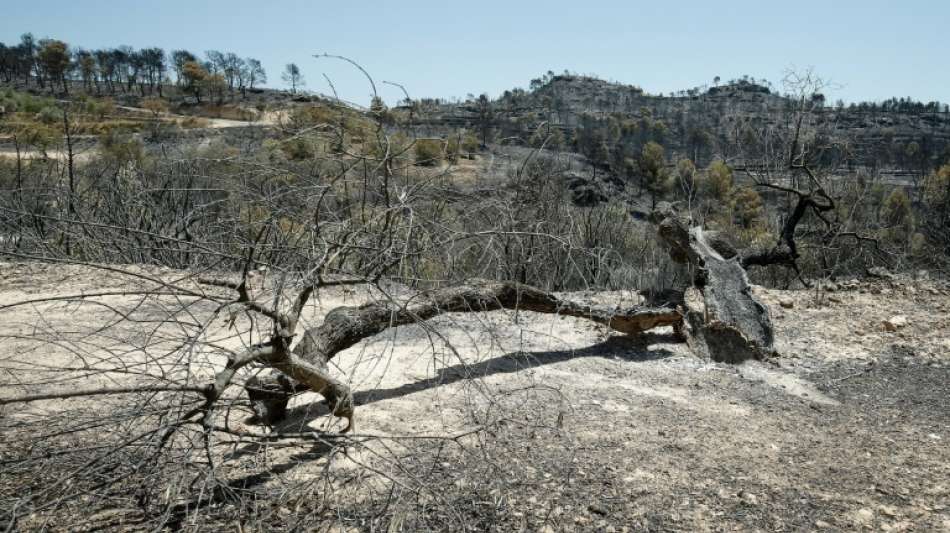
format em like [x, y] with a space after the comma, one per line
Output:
[307, 364]
[724, 321]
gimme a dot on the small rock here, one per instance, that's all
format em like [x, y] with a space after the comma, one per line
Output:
[894, 323]
[821, 524]
[880, 272]
[749, 498]
[596, 509]
[787, 303]
[863, 516]
[342, 529]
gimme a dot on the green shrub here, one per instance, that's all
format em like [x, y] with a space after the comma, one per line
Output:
[49, 115]
[747, 207]
[718, 182]
[119, 148]
[470, 145]
[453, 147]
[428, 152]
[897, 217]
[896, 208]
[298, 148]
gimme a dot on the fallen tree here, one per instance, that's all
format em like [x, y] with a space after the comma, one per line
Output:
[720, 318]
[307, 363]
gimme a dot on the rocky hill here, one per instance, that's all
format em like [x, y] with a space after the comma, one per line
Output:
[703, 124]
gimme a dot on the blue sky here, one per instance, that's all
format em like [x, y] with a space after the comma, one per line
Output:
[872, 49]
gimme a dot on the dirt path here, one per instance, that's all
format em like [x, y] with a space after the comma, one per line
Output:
[80, 156]
[267, 119]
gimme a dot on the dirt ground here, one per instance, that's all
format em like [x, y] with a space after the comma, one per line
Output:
[846, 430]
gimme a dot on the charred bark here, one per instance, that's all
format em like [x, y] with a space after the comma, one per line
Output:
[724, 321]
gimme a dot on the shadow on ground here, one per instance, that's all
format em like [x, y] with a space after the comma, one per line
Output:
[627, 348]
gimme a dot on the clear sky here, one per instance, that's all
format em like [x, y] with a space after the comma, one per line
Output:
[872, 49]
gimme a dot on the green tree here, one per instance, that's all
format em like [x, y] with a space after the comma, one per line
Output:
[54, 58]
[896, 208]
[470, 145]
[551, 138]
[87, 69]
[747, 207]
[35, 134]
[897, 216]
[49, 116]
[937, 191]
[655, 177]
[718, 180]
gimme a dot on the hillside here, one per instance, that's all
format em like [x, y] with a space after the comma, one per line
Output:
[708, 123]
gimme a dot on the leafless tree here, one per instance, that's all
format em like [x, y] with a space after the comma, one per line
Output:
[292, 76]
[799, 160]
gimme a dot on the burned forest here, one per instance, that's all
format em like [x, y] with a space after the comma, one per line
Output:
[580, 306]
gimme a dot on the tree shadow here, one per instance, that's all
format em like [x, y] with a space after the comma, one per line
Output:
[634, 349]
[627, 348]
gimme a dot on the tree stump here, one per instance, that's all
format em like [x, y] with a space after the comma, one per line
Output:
[724, 321]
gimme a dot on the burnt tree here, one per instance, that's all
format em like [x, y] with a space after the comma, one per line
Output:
[306, 365]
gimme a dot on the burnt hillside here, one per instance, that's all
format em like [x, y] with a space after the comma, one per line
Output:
[701, 124]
